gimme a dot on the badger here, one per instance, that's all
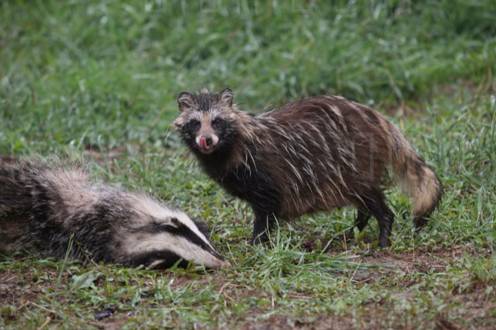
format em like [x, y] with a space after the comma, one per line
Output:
[57, 211]
[314, 154]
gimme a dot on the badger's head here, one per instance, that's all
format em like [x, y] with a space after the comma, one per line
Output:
[207, 122]
[160, 237]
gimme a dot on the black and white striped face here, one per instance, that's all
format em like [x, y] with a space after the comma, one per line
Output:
[206, 120]
[165, 237]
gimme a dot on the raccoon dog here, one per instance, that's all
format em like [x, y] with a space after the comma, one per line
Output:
[56, 211]
[315, 154]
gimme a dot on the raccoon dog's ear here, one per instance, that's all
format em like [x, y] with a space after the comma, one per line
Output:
[226, 97]
[185, 101]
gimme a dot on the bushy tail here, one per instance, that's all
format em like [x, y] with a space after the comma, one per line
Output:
[416, 178]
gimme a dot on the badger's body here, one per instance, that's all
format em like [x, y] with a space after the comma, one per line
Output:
[311, 155]
[59, 212]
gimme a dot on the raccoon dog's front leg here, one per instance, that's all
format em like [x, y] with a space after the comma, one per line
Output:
[374, 202]
[361, 221]
[264, 222]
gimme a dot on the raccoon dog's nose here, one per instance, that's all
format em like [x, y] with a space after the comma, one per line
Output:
[207, 142]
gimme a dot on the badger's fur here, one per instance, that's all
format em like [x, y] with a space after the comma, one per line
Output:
[315, 154]
[59, 212]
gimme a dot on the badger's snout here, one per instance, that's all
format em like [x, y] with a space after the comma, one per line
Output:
[207, 142]
[218, 263]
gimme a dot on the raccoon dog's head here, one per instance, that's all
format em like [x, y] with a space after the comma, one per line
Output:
[207, 120]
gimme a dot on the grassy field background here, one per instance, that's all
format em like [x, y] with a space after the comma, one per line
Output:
[95, 82]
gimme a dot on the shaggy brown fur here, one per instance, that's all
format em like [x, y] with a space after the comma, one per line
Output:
[315, 154]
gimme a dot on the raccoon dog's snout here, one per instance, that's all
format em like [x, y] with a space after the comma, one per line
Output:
[207, 143]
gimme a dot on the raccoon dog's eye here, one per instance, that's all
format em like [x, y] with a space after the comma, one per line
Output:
[194, 124]
[217, 122]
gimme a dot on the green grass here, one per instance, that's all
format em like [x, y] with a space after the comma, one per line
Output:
[103, 75]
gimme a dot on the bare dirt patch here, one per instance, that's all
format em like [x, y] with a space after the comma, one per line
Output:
[475, 310]
[370, 317]
[288, 322]
[17, 290]
[424, 261]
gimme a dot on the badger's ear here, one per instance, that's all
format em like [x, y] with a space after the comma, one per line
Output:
[202, 226]
[185, 101]
[226, 97]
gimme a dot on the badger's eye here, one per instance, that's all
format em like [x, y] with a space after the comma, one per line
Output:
[217, 122]
[175, 221]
